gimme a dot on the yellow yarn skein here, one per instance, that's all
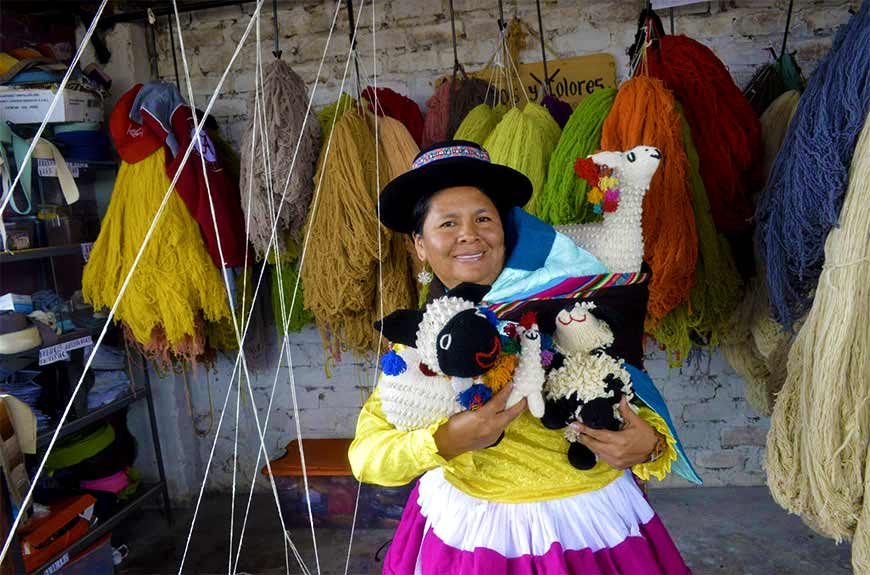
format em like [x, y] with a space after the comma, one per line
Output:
[175, 280]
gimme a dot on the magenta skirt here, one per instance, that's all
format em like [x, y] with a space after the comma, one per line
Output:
[610, 531]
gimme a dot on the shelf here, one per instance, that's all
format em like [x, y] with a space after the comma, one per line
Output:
[103, 527]
[44, 437]
[63, 338]
[40, 253]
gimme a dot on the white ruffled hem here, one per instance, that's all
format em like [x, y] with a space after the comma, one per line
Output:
[595, 520]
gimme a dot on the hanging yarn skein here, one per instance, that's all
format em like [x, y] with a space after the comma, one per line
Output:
[524, 140]
[817, 450]
[645, 113]
[559, 109]
[399, 260]
[340, 274]
[773, 80]
[175, 282]
[439, 125]
[328, 113]
[563, 200]
[717, 284]
[284, 100]
[478, 124]
[284, 274]
[810, 175]
[774, 125]
[752, 342]
[724, 126]
[397, 106]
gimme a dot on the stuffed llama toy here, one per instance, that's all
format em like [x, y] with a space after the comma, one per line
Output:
[438, 357]
[618, 182]
[587, 384]
[529, 375]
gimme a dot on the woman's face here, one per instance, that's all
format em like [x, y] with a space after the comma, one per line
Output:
[463, 238]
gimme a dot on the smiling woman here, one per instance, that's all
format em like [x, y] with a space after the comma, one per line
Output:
[460, 235]
[497, 493]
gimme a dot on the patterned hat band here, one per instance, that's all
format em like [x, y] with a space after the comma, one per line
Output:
[450, 152]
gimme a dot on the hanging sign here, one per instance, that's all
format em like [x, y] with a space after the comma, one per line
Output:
[571, 79]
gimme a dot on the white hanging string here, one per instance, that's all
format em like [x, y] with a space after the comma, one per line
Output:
[241, 354]
[250, 312]
[380, 259]
[260, 118]
[505, 57]
[35, 141]
[285, 343]
[29, 496]
[235, 464]
[516, 72]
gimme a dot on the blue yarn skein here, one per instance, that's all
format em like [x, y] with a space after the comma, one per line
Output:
[809, 177]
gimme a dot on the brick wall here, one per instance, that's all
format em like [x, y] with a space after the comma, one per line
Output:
[722, 435]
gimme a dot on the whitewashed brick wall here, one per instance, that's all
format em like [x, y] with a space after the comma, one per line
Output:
[723, 436]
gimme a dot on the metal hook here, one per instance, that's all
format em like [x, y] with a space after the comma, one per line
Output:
[787, 26]
[350, 31]
[277, 51]
[546, 83]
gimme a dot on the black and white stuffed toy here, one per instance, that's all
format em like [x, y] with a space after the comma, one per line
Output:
[438, 356]
[584, 383]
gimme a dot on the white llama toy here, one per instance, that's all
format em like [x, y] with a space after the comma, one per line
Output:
[529, 375]
[618, 240]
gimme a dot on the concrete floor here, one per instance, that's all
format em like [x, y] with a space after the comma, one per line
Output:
[720, 531]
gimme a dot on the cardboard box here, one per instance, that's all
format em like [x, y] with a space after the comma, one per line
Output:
[29, 106]
[16, 302]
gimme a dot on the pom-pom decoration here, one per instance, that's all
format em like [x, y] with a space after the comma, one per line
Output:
[392, 363]
[528, 320]
[475, 396]
[490, 315]
[546, 357]
[502, 373]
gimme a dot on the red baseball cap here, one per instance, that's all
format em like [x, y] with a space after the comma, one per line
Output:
[133, 141]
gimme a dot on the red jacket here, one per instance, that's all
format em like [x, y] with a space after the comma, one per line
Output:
[191, 184]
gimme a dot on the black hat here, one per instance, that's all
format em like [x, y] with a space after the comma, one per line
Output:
[448, 164]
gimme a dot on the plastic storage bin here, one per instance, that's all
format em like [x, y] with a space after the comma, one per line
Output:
[20, 234]
[95, 560]
[332, 488]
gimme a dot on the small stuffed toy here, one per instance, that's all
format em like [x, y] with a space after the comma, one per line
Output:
[618, 182]
[438, 358]
[529, 375]
[585, 383]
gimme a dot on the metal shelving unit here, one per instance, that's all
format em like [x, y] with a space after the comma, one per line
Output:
[81, 417]
[146, 492]
[98, 414]
[40, 253]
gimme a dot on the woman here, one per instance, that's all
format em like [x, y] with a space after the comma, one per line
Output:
[514, 505]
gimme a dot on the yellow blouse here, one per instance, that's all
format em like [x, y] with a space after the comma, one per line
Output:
[529, 464]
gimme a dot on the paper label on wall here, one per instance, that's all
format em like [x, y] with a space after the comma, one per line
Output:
[571, 79]
[61, 351]
[659, 4]
[47, 168]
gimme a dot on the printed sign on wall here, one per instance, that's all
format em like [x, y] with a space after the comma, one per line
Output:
[571, 79]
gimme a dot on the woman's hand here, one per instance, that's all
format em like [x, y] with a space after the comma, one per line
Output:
[477, 429]
[622, 449]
